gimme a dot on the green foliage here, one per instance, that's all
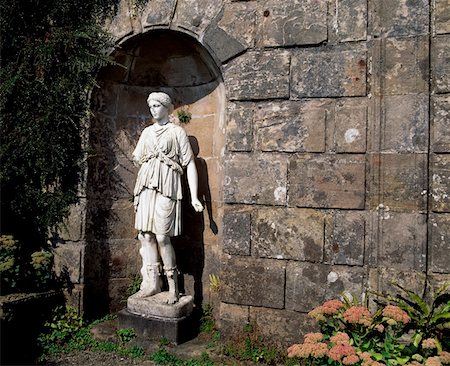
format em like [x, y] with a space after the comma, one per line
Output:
[252, 347]
[67, 333]
[184, 116]
[134, 286]
[163, 357]
[19, 270]
[9, 263]
[429, 319]
[51, 51]
[126, 335]
[214, 282]
[207, 322]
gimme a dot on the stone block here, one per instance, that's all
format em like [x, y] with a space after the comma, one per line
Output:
[222, 44]
[288, 233]
[290, 127]
[132, 102]
[350, 20]
[393, 18]
[239, 20]
[440, 63]
[232, 319]
[292, 23]
[120, 25]
[104, 98]
[440, 183]
[281, 327]
[328, 72]
[124, 259]
[234, 31]
[308, 285]
[73, 227]
[345, 241]
[398, 182]
[177, 331]
[439, 248]
[117, 290]
[120, 220]
[258, 75]
[397, 240]
[69, 260]
[240, 127]
[327, 181]
[250, 281]
[440, 123]
[383, 279]
[400, 66]
[441, 16]
[157, 12]
[196, 15]
[255, 179]
[236, 232]
[349, 126]
[405, 123]
[157, 306]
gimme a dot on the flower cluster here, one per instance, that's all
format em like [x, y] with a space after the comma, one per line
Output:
[343, 341]
[393, 315]
[358, 315]
[312, 347]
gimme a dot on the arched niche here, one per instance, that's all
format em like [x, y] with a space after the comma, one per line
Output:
[159, 60]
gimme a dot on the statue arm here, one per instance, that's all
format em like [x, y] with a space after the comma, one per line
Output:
[192, 178]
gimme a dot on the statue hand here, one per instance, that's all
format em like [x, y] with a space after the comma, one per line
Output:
[197, 205]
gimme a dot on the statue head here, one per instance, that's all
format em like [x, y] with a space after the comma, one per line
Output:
[162, 98]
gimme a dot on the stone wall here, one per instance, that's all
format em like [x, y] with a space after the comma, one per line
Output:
[335, 169]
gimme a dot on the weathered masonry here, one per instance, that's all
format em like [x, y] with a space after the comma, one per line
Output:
[323, 137]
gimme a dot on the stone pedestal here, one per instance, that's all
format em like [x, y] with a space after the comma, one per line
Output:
[152, 318]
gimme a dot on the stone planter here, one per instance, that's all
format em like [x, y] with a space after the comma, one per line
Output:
[22, 317]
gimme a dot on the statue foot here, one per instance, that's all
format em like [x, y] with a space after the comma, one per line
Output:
[172, 299]
[146, 292]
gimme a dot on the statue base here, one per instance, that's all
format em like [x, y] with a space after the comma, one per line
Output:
[152, 318]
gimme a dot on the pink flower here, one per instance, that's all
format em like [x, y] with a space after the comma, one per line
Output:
[296, 350]
[433, 361]
[414, 363]
[340, 338]
[445, 357]
[358, 315]
[305, 350]
[319, 350]
[341, 350]
[366, 356]
[332, 306]
[380, 328]
[429, 343]
[313, 337]
[317, 313]
[350, 360]
[397, 314]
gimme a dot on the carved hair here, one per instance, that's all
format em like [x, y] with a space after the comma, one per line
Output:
[162, 98]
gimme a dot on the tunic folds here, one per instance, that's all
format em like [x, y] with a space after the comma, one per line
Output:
[162, 152]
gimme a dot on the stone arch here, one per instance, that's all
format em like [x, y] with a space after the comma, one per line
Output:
[157, 60]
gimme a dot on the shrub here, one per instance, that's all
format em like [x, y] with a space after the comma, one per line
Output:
[353, 335]
[51, 51]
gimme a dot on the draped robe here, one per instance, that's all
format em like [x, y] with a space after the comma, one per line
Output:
[163, 152]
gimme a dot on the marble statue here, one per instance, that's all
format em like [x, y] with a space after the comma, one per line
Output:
[163, 153]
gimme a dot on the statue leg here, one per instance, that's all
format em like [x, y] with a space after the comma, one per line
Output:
[170, 266]
[151, 268]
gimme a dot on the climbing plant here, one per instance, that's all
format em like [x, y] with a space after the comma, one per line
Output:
[50, 53]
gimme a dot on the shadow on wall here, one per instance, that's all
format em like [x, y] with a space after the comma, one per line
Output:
[165, 61]
[190, 246]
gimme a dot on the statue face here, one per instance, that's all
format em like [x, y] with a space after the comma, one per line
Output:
[158, 111]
